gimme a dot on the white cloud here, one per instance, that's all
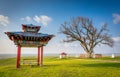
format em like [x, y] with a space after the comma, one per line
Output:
[27, 18]
[66, 45]
[75, 45]
[116, 39]
[43, 19]
[4, 21]
[116, 18]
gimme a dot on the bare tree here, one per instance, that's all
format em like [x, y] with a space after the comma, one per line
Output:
[81, 29]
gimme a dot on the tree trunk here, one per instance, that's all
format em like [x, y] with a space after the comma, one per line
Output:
[89, 55]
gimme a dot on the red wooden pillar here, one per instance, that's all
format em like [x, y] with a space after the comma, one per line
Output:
[39, 50]
[18, 56]
[41, 56]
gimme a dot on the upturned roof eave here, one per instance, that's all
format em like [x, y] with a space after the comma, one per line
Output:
[27, 34]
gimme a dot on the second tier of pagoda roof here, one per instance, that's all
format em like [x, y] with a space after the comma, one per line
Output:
[30, 28]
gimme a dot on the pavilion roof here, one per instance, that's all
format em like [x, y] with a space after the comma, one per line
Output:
[29, 37]
[63, 53]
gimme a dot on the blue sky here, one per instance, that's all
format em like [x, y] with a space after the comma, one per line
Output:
[50, 14]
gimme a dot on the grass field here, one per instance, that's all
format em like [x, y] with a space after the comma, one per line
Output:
[54, 67]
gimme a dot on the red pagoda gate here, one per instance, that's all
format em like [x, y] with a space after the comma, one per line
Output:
[29, 38]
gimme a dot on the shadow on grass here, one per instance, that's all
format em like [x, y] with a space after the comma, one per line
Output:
[116, 65]
[37, 66]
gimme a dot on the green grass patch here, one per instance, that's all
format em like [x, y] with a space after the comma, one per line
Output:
[55, 67]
